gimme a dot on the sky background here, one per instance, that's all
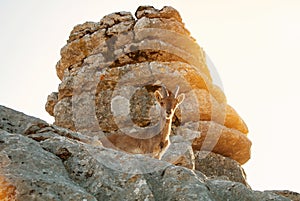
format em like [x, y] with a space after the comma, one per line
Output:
[254, 45]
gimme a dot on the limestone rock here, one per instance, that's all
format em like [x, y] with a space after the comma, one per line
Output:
[213, 110]
[80, 30]
[17, 122]
[217, 166]
[180, 153]
[150, 12]
[63, 111]
[7, 190]
[53, 163]
[51, 102]
[33, 173]
[224, 141]
[237, 191]
[232, 120]
[109, 71]
[289, 194]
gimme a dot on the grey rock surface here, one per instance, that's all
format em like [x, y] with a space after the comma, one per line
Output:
[289, 194]
[214, 166]
[17, 122]
[53, 163]
[36, 173]
[233, 191]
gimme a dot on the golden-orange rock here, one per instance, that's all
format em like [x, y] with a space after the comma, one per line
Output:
[7, 190]
[221, 113]
[222, 140]
[218, 94]
[233, 120]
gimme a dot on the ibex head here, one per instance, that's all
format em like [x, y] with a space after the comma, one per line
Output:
[169, 101]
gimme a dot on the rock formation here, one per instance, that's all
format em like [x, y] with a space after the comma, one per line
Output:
[110, 71]
[46, 162]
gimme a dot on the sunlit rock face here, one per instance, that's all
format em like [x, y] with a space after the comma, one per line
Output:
[109, 71]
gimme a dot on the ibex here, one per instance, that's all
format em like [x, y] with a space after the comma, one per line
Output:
[157, 145]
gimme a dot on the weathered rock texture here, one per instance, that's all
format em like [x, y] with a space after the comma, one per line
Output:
[289, 194]
[217, 166]
[110, 69]
[45, 162]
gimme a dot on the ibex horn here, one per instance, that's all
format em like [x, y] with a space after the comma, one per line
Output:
[176, 92]
[165, 91]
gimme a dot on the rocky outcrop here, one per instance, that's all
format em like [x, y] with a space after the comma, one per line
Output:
[289, 194]
[54, 163]
[109, 71]
[216, 166]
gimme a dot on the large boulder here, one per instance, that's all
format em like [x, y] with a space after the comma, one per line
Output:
[109, 71]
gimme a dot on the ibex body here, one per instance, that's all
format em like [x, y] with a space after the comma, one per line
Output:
[157, 145]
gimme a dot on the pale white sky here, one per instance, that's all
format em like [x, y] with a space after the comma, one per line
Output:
[254, 44]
